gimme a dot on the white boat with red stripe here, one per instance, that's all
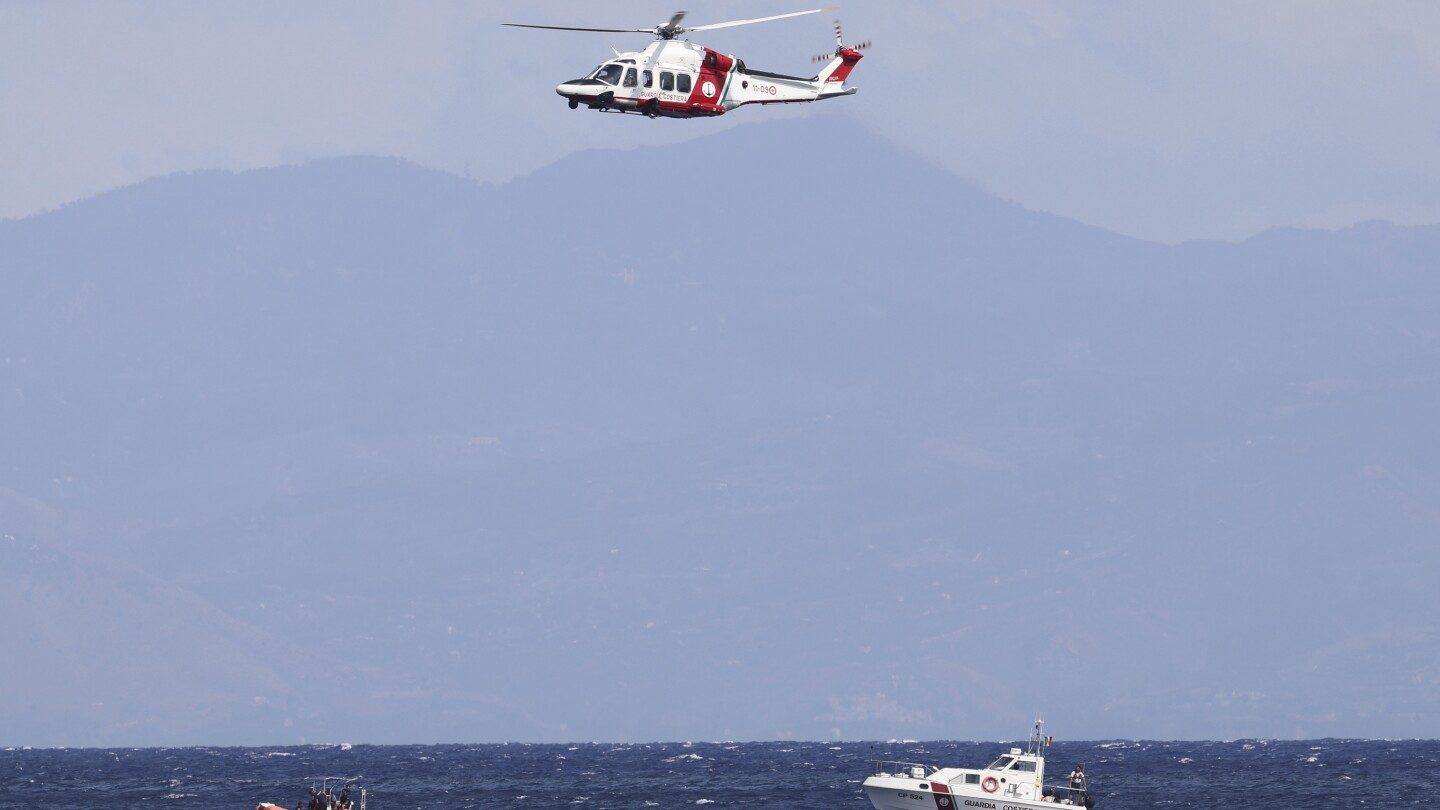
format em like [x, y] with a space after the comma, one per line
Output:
[1014, 781]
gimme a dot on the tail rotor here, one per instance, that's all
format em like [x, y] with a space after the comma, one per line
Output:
[840, 46]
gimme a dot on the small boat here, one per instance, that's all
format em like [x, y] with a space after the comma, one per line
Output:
[1014, 781]
[327, 793]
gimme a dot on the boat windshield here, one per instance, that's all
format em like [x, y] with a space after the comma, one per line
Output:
[608, 73]
[1001, 764]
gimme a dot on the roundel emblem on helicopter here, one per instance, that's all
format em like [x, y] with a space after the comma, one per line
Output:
[708, 88]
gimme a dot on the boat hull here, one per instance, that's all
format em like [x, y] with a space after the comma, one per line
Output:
[898, 793]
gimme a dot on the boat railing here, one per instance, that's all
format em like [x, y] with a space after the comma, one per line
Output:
[1061, 795]
[909, 770]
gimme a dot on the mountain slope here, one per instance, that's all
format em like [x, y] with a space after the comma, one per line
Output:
[781, 432]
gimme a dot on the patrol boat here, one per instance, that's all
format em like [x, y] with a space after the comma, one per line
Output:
[329, 793]
[1015, 781]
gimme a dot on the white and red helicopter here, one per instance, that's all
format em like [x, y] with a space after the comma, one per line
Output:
[674, 78]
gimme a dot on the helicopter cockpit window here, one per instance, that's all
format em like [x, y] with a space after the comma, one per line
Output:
[609, 74]
[629, 77]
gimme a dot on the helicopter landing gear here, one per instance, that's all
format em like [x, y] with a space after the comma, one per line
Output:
[574, 104]
[652, 108]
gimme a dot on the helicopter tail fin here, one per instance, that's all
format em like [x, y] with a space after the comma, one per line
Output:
[839, 64]
[838, 69]
[831, 80]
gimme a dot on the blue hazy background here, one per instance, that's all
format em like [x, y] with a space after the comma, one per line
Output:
[777, 430]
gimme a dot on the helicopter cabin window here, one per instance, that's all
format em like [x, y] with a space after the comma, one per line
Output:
[682, 83]
[667, 81]
[646, 79]
[609, 74]
[629, 77]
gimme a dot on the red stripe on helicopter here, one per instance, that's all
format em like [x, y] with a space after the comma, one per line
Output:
[848, 58]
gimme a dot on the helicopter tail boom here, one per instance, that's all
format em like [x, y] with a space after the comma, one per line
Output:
[761, 87]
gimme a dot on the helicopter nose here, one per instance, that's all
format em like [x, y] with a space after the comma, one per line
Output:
[575, 88]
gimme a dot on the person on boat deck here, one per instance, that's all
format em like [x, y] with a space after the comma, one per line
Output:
[1077, 783]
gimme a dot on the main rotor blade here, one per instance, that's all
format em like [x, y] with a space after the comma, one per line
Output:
[733, 23]
[570, 28]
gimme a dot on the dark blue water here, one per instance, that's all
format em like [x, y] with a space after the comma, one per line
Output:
[706, 776]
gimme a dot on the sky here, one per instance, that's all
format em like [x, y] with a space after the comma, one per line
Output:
[1166, 121]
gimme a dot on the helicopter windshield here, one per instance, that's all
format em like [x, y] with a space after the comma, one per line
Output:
[608, 73]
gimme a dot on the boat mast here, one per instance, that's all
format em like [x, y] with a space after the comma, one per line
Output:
[1037, 739]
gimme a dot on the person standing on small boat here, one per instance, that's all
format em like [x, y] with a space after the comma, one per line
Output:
[1077, 785]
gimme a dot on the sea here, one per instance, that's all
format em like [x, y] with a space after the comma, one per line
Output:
[1242, 774]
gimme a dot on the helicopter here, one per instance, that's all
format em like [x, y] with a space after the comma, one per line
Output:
[675, 78]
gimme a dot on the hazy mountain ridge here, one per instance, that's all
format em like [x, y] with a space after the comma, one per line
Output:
[762, 435]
